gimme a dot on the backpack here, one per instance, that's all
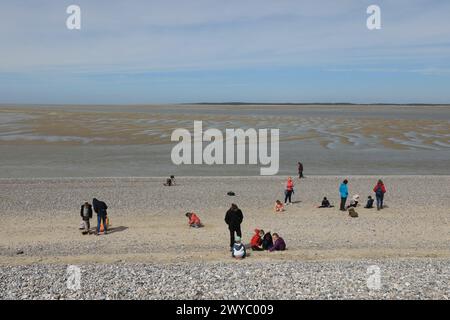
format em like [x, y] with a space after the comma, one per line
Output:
[352, 213]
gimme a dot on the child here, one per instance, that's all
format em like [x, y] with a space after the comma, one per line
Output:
[194, 220]
[256, 241]
[325, 203]
[279, 207]
[369, 204]
[267, 241]
[278, 243]
[238, 251]
[86, 214]
[354, 202]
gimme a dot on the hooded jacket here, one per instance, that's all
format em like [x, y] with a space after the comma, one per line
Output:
[379, 188]
[267, 241]
[256, 240]
[99, 207]
[343, 190]
[233, 218]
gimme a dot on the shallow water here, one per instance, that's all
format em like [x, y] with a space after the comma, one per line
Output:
[57, 141]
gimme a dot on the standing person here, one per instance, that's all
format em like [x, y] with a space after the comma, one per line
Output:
[233, 219]
[379, 190]
[300, 170]
[289, 190]
[100, 208]
[86, 214]
[343, 191]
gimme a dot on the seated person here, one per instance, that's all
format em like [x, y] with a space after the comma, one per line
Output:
[278, 243]
[267, 241]
[256, 241]
[279, 207]
[369, 204]
[194, 220]
[325, 203]
[354, 202]
[238, 251]
[170, 181]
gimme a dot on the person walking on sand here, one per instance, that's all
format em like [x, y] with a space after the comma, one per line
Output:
[100, 208]
[289, 191]
[343, 191]
[300, 170]
[379, 190]
[233, 219]
[86, 214]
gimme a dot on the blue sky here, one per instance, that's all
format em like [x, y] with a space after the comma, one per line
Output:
[209, 50]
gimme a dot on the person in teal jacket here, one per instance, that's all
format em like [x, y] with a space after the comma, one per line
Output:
[343, 190]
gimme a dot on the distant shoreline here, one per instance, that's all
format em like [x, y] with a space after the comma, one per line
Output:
[230, 104]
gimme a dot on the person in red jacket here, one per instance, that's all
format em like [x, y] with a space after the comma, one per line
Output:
[289, 191]
[194, 220]
[379, 190]
[256, 241]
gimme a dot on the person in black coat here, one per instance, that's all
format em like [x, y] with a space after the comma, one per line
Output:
[233, 219]
[100, 208]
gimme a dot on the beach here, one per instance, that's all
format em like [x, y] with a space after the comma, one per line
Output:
[149, 234]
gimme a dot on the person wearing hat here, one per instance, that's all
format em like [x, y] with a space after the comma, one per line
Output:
[354, 202]
[233, 219]
[238, 250]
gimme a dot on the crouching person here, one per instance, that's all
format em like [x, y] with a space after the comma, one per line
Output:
[86, 215]
[194, 220]
[238, 251]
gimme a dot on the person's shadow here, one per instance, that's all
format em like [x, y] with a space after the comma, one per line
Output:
[117, 229]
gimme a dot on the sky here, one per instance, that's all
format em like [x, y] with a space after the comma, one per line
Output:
[181, 51]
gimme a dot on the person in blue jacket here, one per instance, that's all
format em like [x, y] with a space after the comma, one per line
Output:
[343, 190]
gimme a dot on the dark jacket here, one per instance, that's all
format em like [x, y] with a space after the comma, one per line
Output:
[89, 211]
[99, 207]
[234, 218]
[267, 241]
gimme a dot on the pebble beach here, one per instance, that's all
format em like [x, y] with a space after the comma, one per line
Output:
[151, 253]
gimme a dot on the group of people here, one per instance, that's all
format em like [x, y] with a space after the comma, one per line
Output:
[100, 208]
[379, 190]
[260, 241]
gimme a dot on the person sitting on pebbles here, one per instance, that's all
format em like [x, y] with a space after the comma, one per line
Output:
[170, 181]
[279, 207]
[369, 204]
[354, 202]
[194, 220]
[278, 243]
[238, 251]
[256, 241]
[325, 203]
